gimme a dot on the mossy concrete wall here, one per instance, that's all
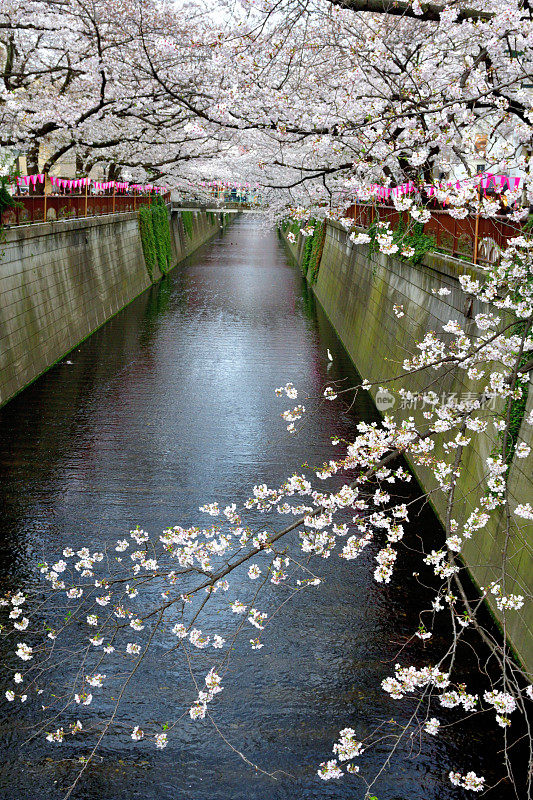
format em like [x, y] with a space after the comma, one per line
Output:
[59, 281]
[357, 291]
[204, 226]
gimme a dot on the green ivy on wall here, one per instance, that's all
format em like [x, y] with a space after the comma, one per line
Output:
[187, 219]
[154, 227]
[161, 226]
[6, 202]
[313, 245]
[517, 405]
[148, 240]
[421, 242]
[518, 409]
[317, 247]
[308, 247]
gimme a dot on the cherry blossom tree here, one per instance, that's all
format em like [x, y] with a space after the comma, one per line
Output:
[76, 77]
[325, 98]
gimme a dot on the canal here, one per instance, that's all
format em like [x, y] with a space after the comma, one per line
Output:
[170, 405]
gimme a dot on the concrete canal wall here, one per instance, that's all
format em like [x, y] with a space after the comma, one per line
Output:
[59, 281]
[357, 291]
[204, 225]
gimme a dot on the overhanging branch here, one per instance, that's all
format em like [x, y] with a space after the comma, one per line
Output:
[430, 11]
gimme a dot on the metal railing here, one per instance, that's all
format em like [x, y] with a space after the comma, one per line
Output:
[52, 207]
[474, 238]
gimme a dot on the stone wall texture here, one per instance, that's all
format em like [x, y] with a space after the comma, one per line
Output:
[204, 226]
[357, 291]
[59, 281]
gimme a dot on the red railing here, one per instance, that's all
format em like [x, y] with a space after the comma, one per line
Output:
[51, 207]
[474, 238]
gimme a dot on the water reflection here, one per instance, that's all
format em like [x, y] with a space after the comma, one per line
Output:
[171, 404]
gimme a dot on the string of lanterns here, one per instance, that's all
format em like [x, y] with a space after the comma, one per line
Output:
[79, 183]
[484, 181]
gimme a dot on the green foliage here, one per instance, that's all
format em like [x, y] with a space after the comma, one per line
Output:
[161, 228]
[517, 411]
[148, 239]
[372, 231]
[155, 237]
[528, 224]
[421, 242]
[293, 227]
[65, 213]
[308, 247]
[6, 200]
[187, 219]
[317, 247]
[313, 245]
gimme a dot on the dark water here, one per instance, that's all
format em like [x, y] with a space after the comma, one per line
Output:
[168, 406]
